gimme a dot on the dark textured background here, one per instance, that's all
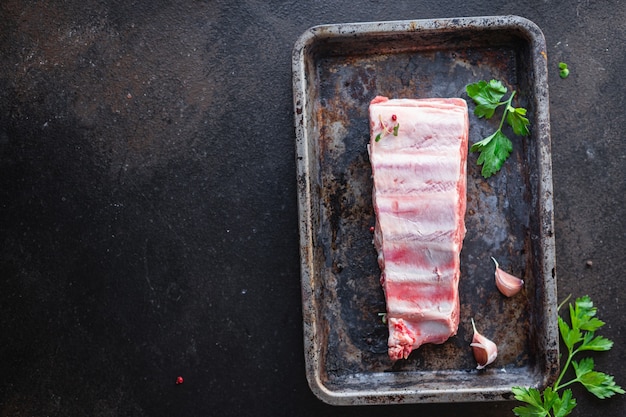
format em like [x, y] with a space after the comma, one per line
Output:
[148, 217]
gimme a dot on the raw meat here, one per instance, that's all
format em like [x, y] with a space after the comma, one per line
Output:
[419, 199]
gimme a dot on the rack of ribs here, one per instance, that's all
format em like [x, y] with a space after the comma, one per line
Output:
[418, 154]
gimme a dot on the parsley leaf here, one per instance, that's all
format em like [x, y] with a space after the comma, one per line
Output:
[569, 336]
[395, 129]
[583, 313]
[597, 343]
[564, 405]
[598, 383]
[532, 397]
[540, 406]
[517, 120]
[487, 96]
[496, 148]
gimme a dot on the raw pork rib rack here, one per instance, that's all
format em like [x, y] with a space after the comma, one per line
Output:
[419, 200]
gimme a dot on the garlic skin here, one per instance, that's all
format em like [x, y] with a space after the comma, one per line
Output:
[485, 351]
[508, 284]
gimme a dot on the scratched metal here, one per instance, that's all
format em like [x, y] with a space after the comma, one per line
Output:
[338, 69]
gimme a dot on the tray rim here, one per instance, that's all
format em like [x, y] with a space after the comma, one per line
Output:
[354, 30]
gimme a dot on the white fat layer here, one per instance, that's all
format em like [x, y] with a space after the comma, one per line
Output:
[425, 309]
[399, 273]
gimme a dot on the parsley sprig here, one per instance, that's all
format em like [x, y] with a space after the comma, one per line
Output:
[496, 148]
[578, 338]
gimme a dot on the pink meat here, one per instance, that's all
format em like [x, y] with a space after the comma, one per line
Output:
[419, 200]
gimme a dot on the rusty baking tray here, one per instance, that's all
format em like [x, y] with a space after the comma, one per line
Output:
[337, 70]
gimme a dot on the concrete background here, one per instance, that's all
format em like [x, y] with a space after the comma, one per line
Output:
[148, 218]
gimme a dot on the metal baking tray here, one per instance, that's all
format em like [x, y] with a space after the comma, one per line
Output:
[337, 70]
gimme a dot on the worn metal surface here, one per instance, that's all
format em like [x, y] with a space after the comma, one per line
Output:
[338, 69]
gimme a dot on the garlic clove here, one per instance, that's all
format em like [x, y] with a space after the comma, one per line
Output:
[508, 284]
[485, 351]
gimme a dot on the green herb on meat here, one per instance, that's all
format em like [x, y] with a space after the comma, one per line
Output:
[496, 148]
[383, 317]
[578, 338]
[386, 129]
